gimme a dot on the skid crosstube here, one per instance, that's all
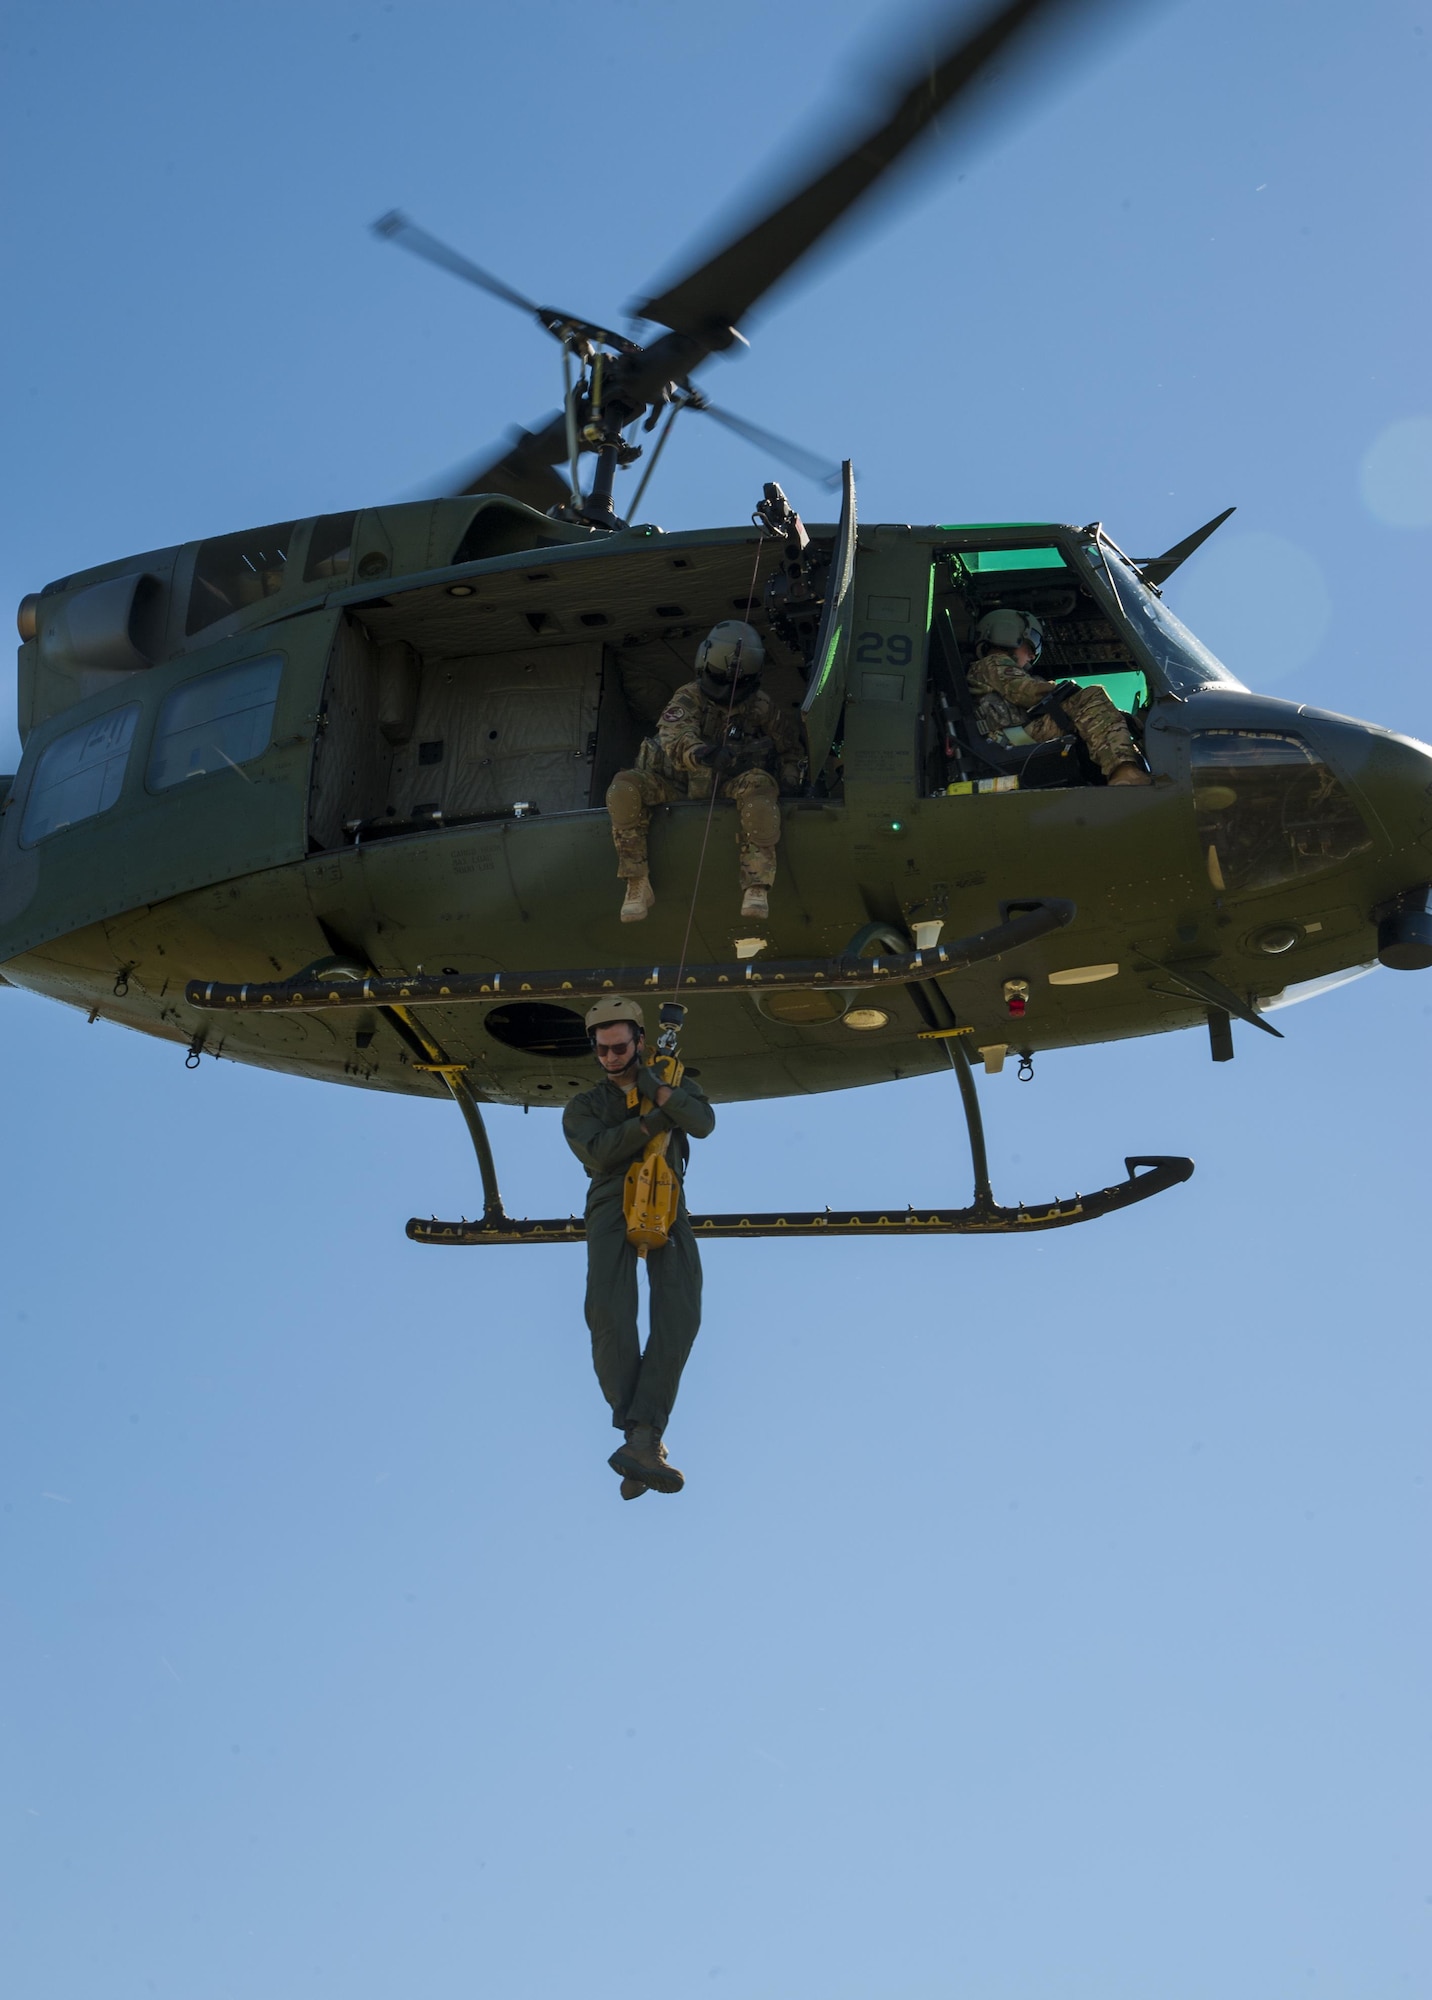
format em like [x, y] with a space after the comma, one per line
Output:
[981, 1218]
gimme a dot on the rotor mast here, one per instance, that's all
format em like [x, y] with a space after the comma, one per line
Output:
[623, 382]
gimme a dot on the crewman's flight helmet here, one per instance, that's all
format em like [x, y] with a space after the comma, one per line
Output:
[1002, 631]
[609, 1013]
[730, 653]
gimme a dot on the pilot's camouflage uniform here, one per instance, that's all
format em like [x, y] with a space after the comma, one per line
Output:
[997, 680]
[667, 769]
[605, 1134]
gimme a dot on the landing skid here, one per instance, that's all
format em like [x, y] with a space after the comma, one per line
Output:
[981, 1218]
[918, 972]
[1149, 1174]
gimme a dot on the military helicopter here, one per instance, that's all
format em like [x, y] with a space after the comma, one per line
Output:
[327, 795]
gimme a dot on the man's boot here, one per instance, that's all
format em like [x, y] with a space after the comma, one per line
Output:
[638, 900]
[1129, 774]
[632, 1489]
[643, 1457]
[756, 903]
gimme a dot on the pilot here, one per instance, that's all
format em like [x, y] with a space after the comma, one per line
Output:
[721, 730]
[1002, 674]
[606, 1130]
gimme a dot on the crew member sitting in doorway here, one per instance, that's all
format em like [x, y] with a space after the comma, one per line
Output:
[720, 731]
[1010, 643]
[608, 1128]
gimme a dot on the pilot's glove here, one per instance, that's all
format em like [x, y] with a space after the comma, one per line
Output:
[715, 756]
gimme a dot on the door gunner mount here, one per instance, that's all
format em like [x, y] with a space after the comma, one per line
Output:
[917, 971]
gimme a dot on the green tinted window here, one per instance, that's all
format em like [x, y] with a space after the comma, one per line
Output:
[1128, 690]
[978, 562]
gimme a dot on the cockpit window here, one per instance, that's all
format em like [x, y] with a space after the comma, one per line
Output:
[1184, 661]
[973, 734]
[330, 547]
[979, 562]
[1268, 809]
[1128, 691]
[234, 571]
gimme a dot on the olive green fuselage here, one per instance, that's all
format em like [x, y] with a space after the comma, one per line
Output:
[337, 838]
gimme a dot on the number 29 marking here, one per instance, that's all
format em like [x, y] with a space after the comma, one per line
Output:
[875, 649]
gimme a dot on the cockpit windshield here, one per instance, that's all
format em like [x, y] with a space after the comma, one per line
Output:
[1184, 662]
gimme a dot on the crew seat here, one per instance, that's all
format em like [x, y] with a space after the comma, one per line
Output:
[1038, 766]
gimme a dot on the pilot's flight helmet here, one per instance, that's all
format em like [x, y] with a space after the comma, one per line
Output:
[609, 1013]
[1004, 630]
[730, 652]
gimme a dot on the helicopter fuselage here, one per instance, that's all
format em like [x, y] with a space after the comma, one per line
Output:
[384, 739]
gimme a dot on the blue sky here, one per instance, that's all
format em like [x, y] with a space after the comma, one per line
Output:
[1042, 1621]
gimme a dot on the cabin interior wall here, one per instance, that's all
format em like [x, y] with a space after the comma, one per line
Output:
[484, 732]
[446, 702]
[493, 730]
[351, 757]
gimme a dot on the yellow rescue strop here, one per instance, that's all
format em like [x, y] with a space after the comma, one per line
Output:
[652, 1194]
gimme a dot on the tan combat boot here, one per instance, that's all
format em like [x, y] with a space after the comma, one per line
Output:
[756, 903]
[638, 899]
[632, 1489]
[643, 1457]
[1129, 774]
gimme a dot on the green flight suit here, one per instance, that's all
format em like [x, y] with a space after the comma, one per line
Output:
[606, 1137]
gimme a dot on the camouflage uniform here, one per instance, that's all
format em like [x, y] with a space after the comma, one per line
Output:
[606, 1136]
[999, 682]
[667, 768]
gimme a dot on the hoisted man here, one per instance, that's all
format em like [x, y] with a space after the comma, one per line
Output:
[638, 1111]
[721, 730]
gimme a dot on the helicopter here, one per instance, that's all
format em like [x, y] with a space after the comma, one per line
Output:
[327, 795]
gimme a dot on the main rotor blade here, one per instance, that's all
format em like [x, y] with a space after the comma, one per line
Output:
[397, 228]
[719, 293]
[526, 468]
[824, 471]
[522, 466]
